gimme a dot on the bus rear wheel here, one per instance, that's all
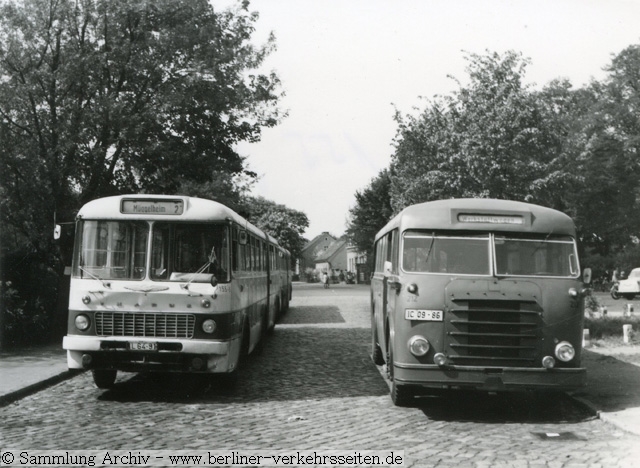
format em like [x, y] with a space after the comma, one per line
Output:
[104, 378]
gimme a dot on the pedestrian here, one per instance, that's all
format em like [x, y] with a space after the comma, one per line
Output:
[325, 280]
[341, 276]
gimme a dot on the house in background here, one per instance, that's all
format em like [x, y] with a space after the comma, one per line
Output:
[357, 264]
[334, 259]
[314, 247]
[326, 253]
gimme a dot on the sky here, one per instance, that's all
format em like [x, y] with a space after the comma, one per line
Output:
[347, 65]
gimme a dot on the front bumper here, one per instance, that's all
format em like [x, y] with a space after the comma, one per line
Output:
[173, 355]
[490, 379]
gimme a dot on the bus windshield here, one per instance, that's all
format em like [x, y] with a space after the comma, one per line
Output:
[112, 250]
[515, 254]
[189, 252]
[530, 256]
[446, 253]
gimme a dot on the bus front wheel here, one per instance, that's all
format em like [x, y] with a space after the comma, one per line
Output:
[104, 378]
[401, 395]
[376, 352]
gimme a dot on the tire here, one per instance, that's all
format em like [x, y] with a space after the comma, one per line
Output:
[276, 317]
[104, 378]
[228, 381]
[279, 309]
[264, 323]
[614, 293]
[376, 352]
[401, 395]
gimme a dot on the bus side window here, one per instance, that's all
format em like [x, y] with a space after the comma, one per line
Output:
[389, 245]
[234, 249]
[395, 258]
[379, 257]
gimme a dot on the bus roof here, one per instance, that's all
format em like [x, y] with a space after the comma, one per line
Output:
[481, 214]
[164, 208]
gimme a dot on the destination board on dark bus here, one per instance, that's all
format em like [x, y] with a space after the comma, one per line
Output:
[154, 207]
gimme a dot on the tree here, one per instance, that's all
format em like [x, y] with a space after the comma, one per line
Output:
[100, 97]
[493, 138]
[606, 146]
[370, 213]
[285, 224]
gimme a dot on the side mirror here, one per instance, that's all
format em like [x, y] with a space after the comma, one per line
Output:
[57, 232]
[586, 276]
[242, 237]
[387, 268]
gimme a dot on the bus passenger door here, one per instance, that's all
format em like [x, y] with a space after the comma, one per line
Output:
[390, 284]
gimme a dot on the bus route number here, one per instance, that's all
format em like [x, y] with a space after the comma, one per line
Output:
[422, 314]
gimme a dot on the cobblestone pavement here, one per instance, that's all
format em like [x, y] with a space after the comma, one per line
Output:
[313, 386]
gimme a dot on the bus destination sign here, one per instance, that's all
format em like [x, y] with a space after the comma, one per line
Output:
[152, 207]
[490, 219]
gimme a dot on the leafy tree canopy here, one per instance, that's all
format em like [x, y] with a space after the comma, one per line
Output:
[370, 213]
[575, 150]
[99, 97]
[492, 138]
[285, 224]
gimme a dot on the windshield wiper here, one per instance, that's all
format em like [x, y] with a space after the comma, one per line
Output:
[433, 239]
[92, 276]
[543, 242]
[212, 259]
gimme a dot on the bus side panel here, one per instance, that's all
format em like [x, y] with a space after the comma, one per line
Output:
[251, 293]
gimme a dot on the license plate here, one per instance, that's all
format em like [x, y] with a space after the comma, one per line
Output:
[143, 346]
[422, 314]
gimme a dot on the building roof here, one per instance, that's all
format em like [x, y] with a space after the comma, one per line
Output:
[333, 249]
[312, 243]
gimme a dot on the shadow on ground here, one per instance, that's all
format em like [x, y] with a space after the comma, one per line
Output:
[311, 315]
[612, 384]
[295, 364]
[501, 408]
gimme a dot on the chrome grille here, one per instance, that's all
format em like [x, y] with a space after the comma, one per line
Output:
[145, 324]
[493, 332]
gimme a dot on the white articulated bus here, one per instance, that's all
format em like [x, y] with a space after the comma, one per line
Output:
[172, 284]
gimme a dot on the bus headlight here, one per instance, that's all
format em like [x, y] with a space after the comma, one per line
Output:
[565, 351]
[209, 326]
[206, 303]
[418, 345]
[86, 300]
[412, 288]
[82, 322]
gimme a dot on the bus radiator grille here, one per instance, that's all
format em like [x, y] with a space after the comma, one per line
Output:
[494, 333]
[145, 324]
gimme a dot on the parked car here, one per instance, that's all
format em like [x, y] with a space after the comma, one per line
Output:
[627, 288]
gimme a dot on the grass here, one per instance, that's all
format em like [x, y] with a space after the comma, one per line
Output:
[610, 328]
